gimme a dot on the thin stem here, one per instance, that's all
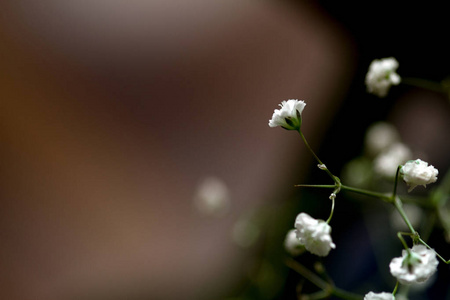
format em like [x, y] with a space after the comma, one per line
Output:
[400, 237]
[395, 288]
[398, 203]
[316, 157]
[309, 275]
[399, 206]
[394, 193]
[345, 295]
[319, 282]
[332, 209]
[424, 83]
[351, 189]
[437, 254]
[316, 296]
[309, 147]
[327, 186]
[367, 193]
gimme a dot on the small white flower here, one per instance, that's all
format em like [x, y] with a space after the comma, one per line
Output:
[415, 265]
[292, 243]
[417, 172]
[387, 162]
[381, 76]
[289, 116]
[212, 197]
[379, 296]
[314, 234]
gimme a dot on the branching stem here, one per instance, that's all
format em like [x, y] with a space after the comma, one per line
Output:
[319, 282]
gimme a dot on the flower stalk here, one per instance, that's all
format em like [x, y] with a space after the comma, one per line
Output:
[329, 289]
[416, 264]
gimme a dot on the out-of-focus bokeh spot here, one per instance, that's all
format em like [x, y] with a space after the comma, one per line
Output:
[113, 111]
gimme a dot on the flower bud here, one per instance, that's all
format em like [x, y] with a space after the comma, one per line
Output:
[417, 172]
[289, 116]
[314, 234]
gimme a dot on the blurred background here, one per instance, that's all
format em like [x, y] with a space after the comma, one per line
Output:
[115, 112]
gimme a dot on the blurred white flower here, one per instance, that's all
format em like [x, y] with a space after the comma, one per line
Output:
[314, 234]
[381, 76]
[380, 136]
[289, 116]
[212, 197]
[415, 265]
[379, 296]
[387, 162]
[292, 243]
[417, 172]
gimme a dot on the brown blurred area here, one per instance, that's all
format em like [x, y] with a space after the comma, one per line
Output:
[112, 111]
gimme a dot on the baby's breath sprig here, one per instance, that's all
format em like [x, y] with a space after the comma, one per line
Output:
[418, 263]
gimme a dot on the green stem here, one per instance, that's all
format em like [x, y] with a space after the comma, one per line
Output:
[345, 295]
[367, 193]
[316, 157]
[394, 193]
[395, 288]
[399, 206]
[424, 83]
[319, 282]
[437, 254]
[332, 210]
[309, 275]
[327, 186]
[398, 203]
[350, 189]
[317, 295]
[400, 237]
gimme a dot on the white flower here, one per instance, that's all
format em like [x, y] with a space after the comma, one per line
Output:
[292, 243]
[289, 116]
[415, 265]
[417, 172]
[379, 296]
[314, 234]
[212, 197]
[381, 76]
[387, 162]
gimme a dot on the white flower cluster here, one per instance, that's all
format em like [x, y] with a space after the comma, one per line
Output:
[415, 266]
[314, 234]
[417, 172]
[381, 76]
[289, 116]
[379, 296]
